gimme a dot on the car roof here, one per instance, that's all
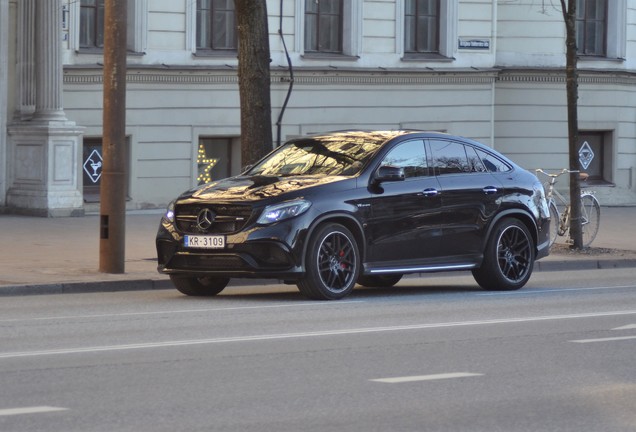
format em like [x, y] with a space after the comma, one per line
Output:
[382, 136]
[386, 135]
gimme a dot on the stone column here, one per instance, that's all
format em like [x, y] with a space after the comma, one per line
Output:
[4, 100]
[48, 57]
[25, 61]
[45, 151]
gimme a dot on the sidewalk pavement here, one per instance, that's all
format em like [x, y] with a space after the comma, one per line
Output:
[61, 255]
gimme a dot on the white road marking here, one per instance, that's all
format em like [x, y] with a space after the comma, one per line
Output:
[181, 311]
[30, 410]
[256, 338]
[550, 291]
[609, 339]
[406, 379]
[627, 327]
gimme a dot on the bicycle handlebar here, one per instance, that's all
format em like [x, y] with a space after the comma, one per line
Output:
[563, 171]
[583, 176]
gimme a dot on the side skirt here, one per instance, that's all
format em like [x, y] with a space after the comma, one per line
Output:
[421, 269]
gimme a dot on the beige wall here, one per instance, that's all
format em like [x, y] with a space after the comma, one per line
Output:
[511, 96]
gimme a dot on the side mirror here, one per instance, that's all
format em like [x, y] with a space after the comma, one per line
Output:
[388, 173]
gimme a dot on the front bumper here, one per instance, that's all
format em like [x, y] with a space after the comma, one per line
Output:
[262, 253]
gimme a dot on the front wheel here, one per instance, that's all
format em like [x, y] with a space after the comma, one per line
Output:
[199, 286]
[508, 257]
[332, 265]
[590, 218]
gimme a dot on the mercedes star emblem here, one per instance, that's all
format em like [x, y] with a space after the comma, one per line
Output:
[205, 219]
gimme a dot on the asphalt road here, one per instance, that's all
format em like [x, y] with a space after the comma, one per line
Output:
[433, 354]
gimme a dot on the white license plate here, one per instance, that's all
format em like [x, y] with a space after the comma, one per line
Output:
[204, 242]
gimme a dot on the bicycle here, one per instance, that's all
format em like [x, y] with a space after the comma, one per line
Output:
[590, 210]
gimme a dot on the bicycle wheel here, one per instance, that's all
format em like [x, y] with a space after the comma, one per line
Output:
[555, 220]
[590, 218]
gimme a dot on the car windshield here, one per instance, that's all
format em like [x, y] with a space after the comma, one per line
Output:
[340, 154]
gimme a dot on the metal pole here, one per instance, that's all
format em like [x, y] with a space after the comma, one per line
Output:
[113, 184]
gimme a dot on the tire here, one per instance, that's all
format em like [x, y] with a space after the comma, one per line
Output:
[199, 286]
[555, 221]
[332, 263]
[508, 257]
[379, 281]
[590, 218]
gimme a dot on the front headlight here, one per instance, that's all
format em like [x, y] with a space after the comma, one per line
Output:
[169, 214]
[282, 211]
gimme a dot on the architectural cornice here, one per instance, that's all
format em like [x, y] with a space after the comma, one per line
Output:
[185, 76]
[585, 76]
[224, 75]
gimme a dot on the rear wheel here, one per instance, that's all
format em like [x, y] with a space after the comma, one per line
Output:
[590, 218]
[508, 258]
[380, 281]
[199, 286]
[332, 263]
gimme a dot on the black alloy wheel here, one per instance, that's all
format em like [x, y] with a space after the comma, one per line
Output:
[508, 258]
[332, 264]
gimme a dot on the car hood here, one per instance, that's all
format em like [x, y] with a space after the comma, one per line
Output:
[255, 188]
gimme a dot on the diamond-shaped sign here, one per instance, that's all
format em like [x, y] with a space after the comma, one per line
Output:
[93, 166]
[586, 155]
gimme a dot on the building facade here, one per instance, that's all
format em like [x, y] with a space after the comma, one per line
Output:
[493, 71]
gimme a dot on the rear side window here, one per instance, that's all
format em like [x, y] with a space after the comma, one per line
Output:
[492, 163]
[411, 156]
[449, 157]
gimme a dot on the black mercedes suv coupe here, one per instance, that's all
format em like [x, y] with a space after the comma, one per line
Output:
[328, 211]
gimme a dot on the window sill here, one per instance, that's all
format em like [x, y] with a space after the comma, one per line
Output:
[329, 56]
[590, 58]
[416, 57]
[209, 53]
[100, 51]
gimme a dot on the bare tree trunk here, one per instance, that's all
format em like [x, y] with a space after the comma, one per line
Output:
[569, 16]
[254, 80]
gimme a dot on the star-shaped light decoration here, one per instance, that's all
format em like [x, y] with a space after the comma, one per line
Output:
[207, 163]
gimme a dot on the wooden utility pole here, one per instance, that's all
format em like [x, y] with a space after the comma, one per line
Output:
[254, 80]
[113, 185]
[569, 17]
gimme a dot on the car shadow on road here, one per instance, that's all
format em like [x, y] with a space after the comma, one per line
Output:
[289, 293]
[411, 289]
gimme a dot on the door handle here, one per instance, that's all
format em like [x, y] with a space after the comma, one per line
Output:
[431, 192]
[489, 190]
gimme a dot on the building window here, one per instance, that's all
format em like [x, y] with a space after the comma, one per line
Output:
[88, 35]
[92, 24]
[216, 25]
[421, 26]
[214, 159]
[591, 27]
[323, 26]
